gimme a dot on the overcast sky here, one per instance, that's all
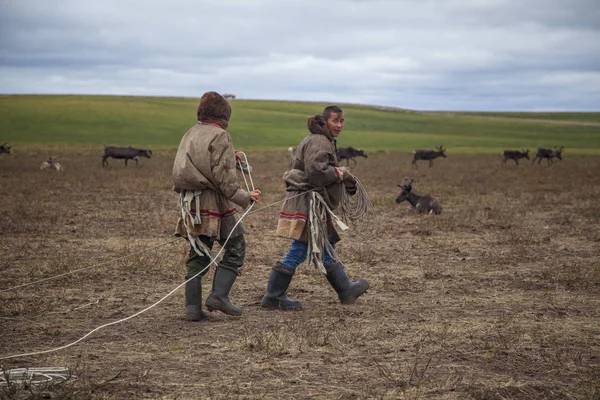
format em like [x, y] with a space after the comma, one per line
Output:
[529, 55]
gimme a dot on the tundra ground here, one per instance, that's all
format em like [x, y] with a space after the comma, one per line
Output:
[496, 298]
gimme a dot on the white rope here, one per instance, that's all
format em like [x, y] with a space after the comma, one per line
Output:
[331, 250]
[141, 251]
[133, 315]
[247, 168]
[90, 267]
[349, 213]
[35, 376]
[147, 308]
[359, 212]
[318, 213]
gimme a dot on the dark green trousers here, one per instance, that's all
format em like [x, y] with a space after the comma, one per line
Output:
[233, 257]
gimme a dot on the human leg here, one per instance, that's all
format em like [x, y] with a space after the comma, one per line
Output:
[296, 255]
[280, 277]
[226, 273]
[196, 265]
[347, 290]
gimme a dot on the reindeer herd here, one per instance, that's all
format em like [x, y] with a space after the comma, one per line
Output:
[540, 153]
[123, 153]
[427, 204]
[420, 203]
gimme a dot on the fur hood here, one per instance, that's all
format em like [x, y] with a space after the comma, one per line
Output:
[317, 124]
[214, 107]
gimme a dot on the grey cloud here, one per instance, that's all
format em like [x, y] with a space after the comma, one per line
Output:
[467, 54]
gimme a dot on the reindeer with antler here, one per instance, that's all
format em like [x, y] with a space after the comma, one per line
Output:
[422, 204]
[52, 164]
[428, 155]
[548, 154]
[514, 155]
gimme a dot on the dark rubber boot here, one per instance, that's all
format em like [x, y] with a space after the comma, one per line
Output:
[347, 290]
[219, 297]
[193, 300]
[279, 281]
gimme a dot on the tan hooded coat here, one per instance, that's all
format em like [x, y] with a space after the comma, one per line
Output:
[314, 165]
[205, 163]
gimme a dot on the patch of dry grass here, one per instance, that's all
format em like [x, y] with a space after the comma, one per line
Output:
[496, 298]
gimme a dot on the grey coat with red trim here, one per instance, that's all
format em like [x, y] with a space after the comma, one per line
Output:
[314, 166]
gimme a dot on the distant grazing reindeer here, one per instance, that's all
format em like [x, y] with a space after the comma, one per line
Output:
[5, 149]
[52, 163]
[556, 153]
[428, 155]
[514, 155]
[127, 153]
[422, 204]
[349, 154]
[548, 154]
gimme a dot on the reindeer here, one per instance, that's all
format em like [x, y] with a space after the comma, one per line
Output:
[126, 153]
[5, 149]
[428, 155]
[349, 154]
[51, 163]
[514, 155]
[548, 154]
[422, 204]
[556, 153]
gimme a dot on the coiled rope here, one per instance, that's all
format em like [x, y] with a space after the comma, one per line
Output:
[358, 211]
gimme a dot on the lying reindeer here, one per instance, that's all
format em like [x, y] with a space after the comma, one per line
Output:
[422, 204]
[51, 163]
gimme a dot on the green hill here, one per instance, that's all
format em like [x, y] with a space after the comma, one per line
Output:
[28, 120]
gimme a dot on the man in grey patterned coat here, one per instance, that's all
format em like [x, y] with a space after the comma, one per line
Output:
[314, 167]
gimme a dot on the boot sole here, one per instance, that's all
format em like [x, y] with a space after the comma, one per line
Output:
[195, 314]
[354, 296]
[279, 307]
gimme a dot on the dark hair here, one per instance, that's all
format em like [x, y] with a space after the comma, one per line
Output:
[331, 109]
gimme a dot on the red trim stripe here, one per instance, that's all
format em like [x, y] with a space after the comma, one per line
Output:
[207, 213]
[294, 216]
[206, 121]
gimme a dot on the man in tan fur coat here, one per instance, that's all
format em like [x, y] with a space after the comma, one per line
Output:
[314, 167]
[204, 174]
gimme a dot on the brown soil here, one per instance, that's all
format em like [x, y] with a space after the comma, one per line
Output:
[498, 297]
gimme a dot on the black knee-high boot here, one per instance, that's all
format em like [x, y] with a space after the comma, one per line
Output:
[347, 290]
[218, 299]
[279, 281]
[193, 299]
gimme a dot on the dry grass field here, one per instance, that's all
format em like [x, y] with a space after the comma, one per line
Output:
[497, 298]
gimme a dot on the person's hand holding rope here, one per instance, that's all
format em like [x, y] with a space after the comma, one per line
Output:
[255, 195]
[348, 180]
